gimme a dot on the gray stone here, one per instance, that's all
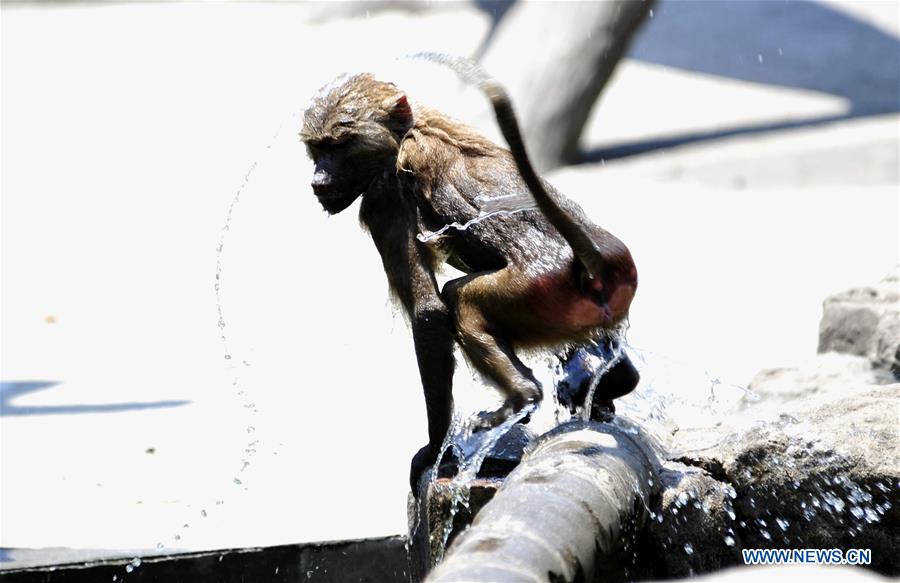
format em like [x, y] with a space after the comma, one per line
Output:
[825, 476]
[828, 375]
[690, 528]
[864, 321]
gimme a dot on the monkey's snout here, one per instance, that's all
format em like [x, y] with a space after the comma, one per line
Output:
[321, 183]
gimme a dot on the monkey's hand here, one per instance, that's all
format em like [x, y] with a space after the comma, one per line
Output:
[424, 459]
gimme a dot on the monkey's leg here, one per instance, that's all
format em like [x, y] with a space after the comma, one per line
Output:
[478, 303]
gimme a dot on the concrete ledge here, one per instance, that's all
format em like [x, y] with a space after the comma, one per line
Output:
[369, 561]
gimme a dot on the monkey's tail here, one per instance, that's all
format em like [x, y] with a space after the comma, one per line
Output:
[585, 248]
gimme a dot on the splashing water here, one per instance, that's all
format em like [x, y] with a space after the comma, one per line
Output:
[240, 391]
[616, 356]
[676, 399]
[471, 447]
[488, 206]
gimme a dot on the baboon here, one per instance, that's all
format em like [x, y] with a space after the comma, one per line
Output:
[542, 277]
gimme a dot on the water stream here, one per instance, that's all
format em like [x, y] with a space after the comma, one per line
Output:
[236, 366]
[488, 206]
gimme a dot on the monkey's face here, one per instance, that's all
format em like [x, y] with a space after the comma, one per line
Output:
[335, 182]
[352, 131]
[346, 167]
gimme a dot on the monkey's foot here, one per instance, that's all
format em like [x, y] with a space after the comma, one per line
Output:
[603, 411]
[486, 420]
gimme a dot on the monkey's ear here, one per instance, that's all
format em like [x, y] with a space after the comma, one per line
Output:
[401, 112]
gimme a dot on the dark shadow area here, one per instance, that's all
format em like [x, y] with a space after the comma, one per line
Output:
[496, 10]
[11, 390]
[802, 44]
[792, 43]
[654, 144]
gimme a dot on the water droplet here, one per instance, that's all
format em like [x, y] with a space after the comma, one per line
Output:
[688, 548]
[237, 482]
[651, 13]
[759, 58]
[729, 540]
[177, 537]
[731, 514]
[836, 503]
[160, 546]
[783, 524]
[203, 513]
[227, 357]
[129, 568]
[765, 534]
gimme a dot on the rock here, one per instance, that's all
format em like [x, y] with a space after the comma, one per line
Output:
[690, 530]
[865, 321]
[825, 476]
[828, 375]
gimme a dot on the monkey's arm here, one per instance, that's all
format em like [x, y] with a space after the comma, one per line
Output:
[412, 280]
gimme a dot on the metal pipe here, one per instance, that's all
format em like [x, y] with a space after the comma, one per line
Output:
[564, 514]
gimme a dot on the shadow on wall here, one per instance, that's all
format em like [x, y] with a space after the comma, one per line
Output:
[791, 43]
[11, 390]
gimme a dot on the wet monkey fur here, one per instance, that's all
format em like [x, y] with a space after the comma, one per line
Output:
[544, 277]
